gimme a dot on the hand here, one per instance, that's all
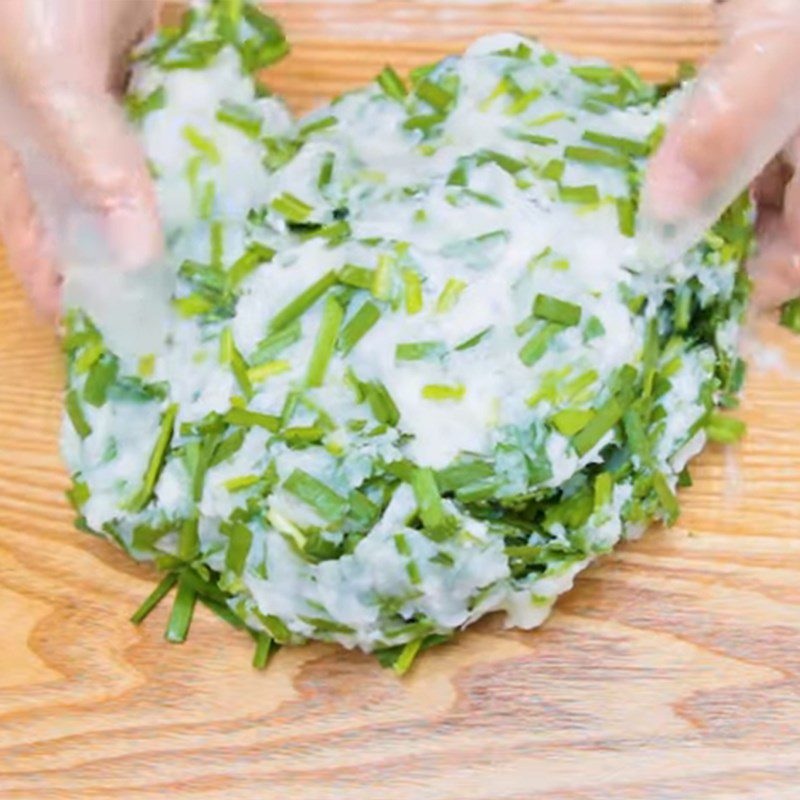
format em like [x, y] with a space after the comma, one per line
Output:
[61, 62]
[741, 119]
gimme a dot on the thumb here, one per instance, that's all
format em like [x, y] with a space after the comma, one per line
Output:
[85, 135]
[744, 108]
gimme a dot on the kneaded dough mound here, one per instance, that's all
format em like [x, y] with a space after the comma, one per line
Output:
[415, 372]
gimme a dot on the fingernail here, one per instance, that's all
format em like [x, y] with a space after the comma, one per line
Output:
[133, 235]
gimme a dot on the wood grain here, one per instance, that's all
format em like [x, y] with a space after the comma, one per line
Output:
[672, 671]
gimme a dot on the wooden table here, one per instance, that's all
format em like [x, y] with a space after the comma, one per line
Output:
[671, 671]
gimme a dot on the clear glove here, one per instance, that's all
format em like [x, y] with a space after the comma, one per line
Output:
[739, 125]
[64, 142]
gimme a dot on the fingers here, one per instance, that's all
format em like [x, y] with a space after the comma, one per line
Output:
[26, 245]
[743, 110]
[87, 137]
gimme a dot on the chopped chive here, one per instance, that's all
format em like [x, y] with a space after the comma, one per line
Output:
[461, 474]
[325, 343]
[202, 144]
[406, 658]
[603, 490]
[401, 544]
[188, 540]
[594, 329]
[683, 308]
[154, 598]
[478, 492]
[302, 302]
[303, 435]
[505, 162]
[240, 540]
[429, 503]
[450, 294]
[357, 277]
[317, 125]
[592, 155]
[139, 107]
[629, 147]
[392, 84]
[537, 345]
[667, 498]
[102, 375]
[229, 354]
[194, 305]
[383, 278]
[316, 494]
[584, 195]
[554, 169]
[239, 117]
[423, 122]
[546, 119]
[76, 416]
[554, 310]
[155, 463]
[291, 207]
[626, 216]
[685, 479]
[267, 369]
[532, 138]
[438, 391]
[252, 419]
[413, 291]
[790, 315]
[571, 421]
[326, 170]
[381, 403]
[263, 650]
[434, 95]
[242, 482]
[520, 104]
[418, 351]
[595, 74]
[725, 430]
[182, 611]
[255, 255]
[603, 420]
[475, 340]
[361, 323]
[276, 343]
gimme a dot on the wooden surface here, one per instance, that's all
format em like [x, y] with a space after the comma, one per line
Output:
[672, 671]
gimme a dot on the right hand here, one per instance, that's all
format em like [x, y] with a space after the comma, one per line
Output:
[61, 62]
[741, 120]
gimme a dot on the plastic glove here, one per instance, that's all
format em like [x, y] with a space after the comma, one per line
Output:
[63, 133]
[742, 119]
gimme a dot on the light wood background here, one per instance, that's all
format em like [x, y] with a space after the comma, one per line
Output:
[671, 672]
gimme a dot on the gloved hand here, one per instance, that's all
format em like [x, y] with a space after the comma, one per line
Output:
[742, 120]
[61, 62]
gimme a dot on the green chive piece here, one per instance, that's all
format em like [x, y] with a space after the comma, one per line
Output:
[139, 107]
[538, 344]
[626, 216]
[583, 195]
[438, 391]
[268, 369]
[154, 598]
[592, 155]
[357, 277]
[274, 344]
[629, 147]
[554, 310]
[326, 171]
[475, 340]
[429, 503]
[600, 75]
[510, 165]
[252, 419]
[571, 421]
[202, 144]
[240, 539]
[594, 329]
[725, 430]
[182, 611]
[603, 490]
[554, 170]
[362, 322]
[603, 420]
[255, 255]
[790, 315]
[76, 416]
[450, 294]
[667, 498]
[423, 122]
[241, 483]
[229, 354]
[325, 343]
[316, 494]
[263, 650]
[418, 351]
[406, 658]
[532, 138]
[381, 403]
[241, 118]
[291, 208]
[520, 104]
[156, 462]
[302, 302]
[434, 95]
[317, 125]
[392, 84]
[413, 291]
[188, 540]
[383, 278]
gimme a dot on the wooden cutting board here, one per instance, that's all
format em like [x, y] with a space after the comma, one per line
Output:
[672, 671]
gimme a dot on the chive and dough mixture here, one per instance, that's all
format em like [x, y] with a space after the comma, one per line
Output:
[415, 372]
